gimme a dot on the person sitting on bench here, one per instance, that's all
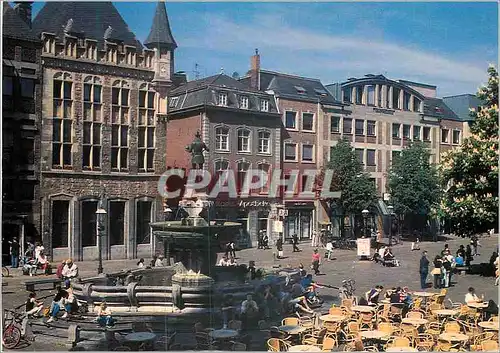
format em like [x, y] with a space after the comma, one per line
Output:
[104, 317]
[69, 272]
[58, 303]
[33, 306]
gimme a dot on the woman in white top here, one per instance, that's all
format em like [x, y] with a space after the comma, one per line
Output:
[38, 249]
[471, 297]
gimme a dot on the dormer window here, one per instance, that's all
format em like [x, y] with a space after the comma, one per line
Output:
[243, 102]
[300, 89]
[264, 105]
[173, 102]
[321, 92]
[222, 99]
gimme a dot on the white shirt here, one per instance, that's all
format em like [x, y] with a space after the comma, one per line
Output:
[471, 298]
[159, 263]
[223, 262]
[247, 305]
[329, 246]
[381, 251]
[141, 264]
[70, 271]
[38, 249]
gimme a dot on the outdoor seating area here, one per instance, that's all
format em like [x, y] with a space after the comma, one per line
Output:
[429, 324]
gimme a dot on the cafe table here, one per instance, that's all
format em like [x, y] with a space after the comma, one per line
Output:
[292, 329]
[136, 339]
[445, 312]
[223, 334]
[373, 334]
[489, 325]
[332, 318]
[304, 348]
[415, 321]
[363, 308]
[481, 305]
[401, 349]
[453, 337]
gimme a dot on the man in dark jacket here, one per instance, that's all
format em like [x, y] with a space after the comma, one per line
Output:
[295, 243]
[424, 270]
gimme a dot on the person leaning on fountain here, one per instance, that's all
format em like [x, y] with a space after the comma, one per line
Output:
[69, 272]
[159, 261]
[249, 311]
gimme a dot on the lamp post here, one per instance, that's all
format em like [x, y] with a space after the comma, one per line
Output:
[391, 215]
[365, 213]
[101, 213]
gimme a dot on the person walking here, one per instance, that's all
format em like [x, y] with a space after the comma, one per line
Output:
[295, 243]
[279, 247]
[14, 253]
[436, 272]
[468, 255]
[316, 257]
[424, 270]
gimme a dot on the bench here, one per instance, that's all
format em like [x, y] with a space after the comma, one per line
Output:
[109, 333]
[461, 269]
[30, 285]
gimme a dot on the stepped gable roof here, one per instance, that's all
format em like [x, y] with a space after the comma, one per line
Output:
[160, 33]
[14, 27]
[88, 19]
[295, 87]
[203, 92]
[437, 108]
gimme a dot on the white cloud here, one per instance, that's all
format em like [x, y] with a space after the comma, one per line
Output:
[333, 58]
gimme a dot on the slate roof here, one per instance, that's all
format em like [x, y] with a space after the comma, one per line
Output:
[293, 87]
[204, 92]
[435, 107]
[14, 27]
[160, 34]
[460, 104]
[90, 20]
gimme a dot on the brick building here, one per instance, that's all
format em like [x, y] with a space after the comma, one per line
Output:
[103, 128]
[21, 105]
[302, 103]
[242, 129]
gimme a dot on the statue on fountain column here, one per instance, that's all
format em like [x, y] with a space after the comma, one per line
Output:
[196, 148]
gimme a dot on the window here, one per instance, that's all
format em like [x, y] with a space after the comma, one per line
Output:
[416, 132]
[8, 86]
[444, 135]
[242, 172]
[27, 87]
[427, 133]
[347, 95]
[62, 124]
[220, 167]
[406, 101]
[395, 98]
[264, 167]
[370, 157]
[395, 155]
[89, 223]
[291, 120]
[120, 126]
[307, 153]
[371, 95]
[360, 127]
[173, 102]
[416, 105]
[307, 121]
[244, 140]
[456, 137]
[222, 99]
[264, 142]
[146, 129]
[379, 97]
[264, 105]
[334, 124]
[116, 222]
[92, 114]
[360, 153]
[406, 131]
[347, 128]
[300, 89]
[290, 152]
[359, 94]
[395, 130]
[243, 102]
[144, 213]
[222, 139]
[370, 127]
[60, 219]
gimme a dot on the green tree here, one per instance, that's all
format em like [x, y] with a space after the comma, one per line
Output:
[358, 191]
[470, 173]
[414, 184]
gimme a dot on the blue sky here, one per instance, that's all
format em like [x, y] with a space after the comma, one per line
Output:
[446, 44]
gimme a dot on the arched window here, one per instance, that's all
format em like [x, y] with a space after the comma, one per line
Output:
[120, 122]
[243, 167]
[222, 138]
[146, 128]
[92, 122]
[62, 124]
[265, 168]
[244, 142]
[264, 142]
[221, 166]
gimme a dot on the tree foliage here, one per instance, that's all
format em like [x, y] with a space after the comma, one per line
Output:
[470, 173]
[413, 182]
[358, 191]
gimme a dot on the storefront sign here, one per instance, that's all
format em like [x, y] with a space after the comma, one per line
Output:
[364, 247]
[278, 226]
[243, 204]
[282, 212]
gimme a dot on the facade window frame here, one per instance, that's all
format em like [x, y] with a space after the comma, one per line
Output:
[359, 125]
[304, 145]
[146, 129]
[347, 128]
[445, 136]
[92, 123]
[371, 157]
[427, 134]
[334, 124]
[295, 157]
[456, 137]
[264, 140]
[308, 115]
[222, 138]
[371, 128]
[62, 129]
[288, 114]
[244, 140]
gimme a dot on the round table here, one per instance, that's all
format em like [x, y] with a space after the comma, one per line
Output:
[489, 325]
[363, 308]
[445, 312]
[424, 294]
[373, 334]
[304, 348]
[415, 321]
[453, 337]
[223, 334]
[139, 337]
[481, 305]
[332, 318]
[401, 349]
[292, 329]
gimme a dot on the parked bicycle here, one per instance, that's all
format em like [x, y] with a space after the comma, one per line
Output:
[345, 244]
[346, 290]
[13, 329]
[5, 271]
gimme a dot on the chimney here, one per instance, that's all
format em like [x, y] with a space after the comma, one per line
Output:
[255, 71]
[23, 10]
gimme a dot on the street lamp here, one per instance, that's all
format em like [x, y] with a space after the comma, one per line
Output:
[101, 213]
[365, 213]
[391, 214]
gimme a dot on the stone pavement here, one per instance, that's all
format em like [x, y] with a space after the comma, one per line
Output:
[346, 265]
